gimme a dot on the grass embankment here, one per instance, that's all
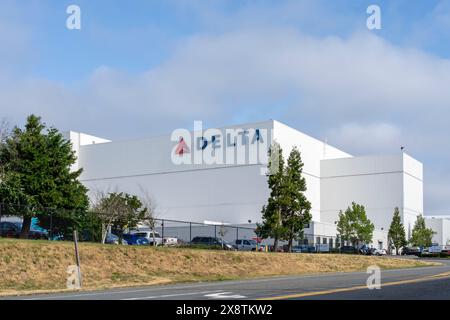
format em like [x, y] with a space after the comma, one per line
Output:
[34, 266]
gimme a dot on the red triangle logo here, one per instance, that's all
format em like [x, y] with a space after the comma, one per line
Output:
[182, 148]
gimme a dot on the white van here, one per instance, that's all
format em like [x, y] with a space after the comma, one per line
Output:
[150, 236]
[245, 245]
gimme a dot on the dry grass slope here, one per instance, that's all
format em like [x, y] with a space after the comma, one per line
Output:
[34, 266]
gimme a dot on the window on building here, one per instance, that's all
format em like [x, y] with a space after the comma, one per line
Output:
[324, 240]
[331, 243]
[318, 240]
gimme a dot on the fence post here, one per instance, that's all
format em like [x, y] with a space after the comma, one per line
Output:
[237, 237]
[190, 231]
[162, 231]
[75, 239]
[51, 226]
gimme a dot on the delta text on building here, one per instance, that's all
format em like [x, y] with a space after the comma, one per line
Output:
[201, 176]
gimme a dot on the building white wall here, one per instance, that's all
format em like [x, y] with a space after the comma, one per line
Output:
[312, 152]
[380, 183]
[373, 181]
[235, 193]
[195, 192]
[442, 228]
[412, 192]
[232, 193]
[79, 139]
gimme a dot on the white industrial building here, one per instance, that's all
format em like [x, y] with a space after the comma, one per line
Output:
[187, 184]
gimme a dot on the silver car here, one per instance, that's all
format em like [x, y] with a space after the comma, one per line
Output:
[245, 245]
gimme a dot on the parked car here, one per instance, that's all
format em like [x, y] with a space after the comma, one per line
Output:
[279, 249]
[113, 239]
[377, 252]
[14, 229]
[213, 242]
[245, 245]
[9, 230]
[134, 239]
[365, 250]
[348, 249]
[408, 251]
[170, 241]
[153, 237]
[305, 248]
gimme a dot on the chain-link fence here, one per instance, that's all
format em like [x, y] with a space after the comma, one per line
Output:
[186, 231]
[59, 224]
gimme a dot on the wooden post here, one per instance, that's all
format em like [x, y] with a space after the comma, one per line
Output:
[77, 255]
[237, 237]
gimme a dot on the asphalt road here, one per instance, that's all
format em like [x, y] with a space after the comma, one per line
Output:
[415, 283]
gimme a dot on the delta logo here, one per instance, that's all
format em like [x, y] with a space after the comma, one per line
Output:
[182, 148]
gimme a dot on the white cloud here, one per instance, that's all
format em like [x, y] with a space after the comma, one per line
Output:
[367, 139]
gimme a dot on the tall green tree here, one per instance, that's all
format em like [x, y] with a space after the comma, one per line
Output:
[295, 207]
[37, 165]
[421, 235]
[397, 234]
[354, 226]
[271, 226]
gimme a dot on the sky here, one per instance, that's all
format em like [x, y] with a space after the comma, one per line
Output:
[138, 68]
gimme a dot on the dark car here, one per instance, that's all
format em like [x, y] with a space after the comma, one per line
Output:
[279, 249]
[366, 250]
[14, 229]
[348, 249]
[307, 248]
[9, 230]
[410, 251]
[212, 242]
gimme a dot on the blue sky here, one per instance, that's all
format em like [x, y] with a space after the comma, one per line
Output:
[138, 68]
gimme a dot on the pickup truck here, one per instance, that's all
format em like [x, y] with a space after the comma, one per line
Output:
[154, 238]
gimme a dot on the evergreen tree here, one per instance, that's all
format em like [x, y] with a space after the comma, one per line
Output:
[397, 233]
[271, 226]
[295, 207]
[38, 180]
[354, 226]
[421, 235]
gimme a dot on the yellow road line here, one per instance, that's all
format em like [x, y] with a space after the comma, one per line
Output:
[387, 284]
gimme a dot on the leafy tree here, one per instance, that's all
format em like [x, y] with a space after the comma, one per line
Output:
[295, 207]
[120, 211]
[271, 226]
[397, 233]
[421, 235]
[91, 227]
[37, 174]
[354, 226]
[149, 203]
